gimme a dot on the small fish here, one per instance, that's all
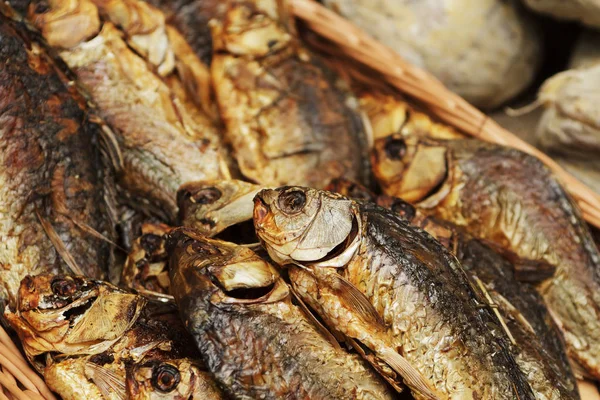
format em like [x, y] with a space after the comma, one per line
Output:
[288, 117]
[539, 347]
[57, 192]
[146, 267]
[254, 340]
[510, 199]
[417, 289]
[161, 141]
[213, 206]
[179, 379]
[89, 338]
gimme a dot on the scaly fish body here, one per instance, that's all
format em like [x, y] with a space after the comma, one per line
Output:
[447, 333]
[539, 349]
[253, 339]
[90, 338]
[511, 199]
[286, 115]
[55, 193]
[159, 135]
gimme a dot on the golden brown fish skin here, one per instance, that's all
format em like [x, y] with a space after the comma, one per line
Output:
[88, 337]
[161, 140]
[191, 18]
[253, 339]
[213, 206]
[286, 115]
[50, 164]
[391, 113]
[512, 199]
[71, 315]
[540, 350]
[146, 267]
[448, 333]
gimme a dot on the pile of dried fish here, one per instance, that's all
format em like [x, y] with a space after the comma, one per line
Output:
[149, 249]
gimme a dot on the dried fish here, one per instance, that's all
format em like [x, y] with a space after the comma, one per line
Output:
[289, 119]
[56, 192]
[417, 289]
[511, 199]
[255, 341]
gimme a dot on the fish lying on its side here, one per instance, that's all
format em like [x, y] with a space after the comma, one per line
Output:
[253, 339]
[56, 195]
[539, 349]
[92, 340]
[287, 116]
[511, 199]
[419, 292]
[161, 141]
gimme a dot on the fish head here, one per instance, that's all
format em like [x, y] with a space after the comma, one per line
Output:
[213, 206]
[298, 224]
[250, 28]
[71, 314]
[350, 189]
[222, 273]
[409, 167]
[146, 269]
[168, 379]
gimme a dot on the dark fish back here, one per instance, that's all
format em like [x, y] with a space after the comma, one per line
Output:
[545, 342]
[51, 166]
[435, 272]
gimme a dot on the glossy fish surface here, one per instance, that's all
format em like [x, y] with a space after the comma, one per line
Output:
[538, 344]
[55, 190]
[418, 289]
[253, 339]
[162, 138]
[89, 338]
[288, 118]
[511, 199]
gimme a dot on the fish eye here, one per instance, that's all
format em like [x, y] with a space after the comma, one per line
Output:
[206, 196]
[395, 148]
[64, 287]
[292, 201]
[165, 378]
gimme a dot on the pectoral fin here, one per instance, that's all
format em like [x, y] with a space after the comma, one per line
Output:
[409, 374]
[108, 382]
[355, 299]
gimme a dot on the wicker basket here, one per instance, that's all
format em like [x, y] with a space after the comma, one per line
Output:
[19, 381]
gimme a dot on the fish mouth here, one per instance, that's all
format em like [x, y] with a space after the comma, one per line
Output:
[75, 309]
[261, 211]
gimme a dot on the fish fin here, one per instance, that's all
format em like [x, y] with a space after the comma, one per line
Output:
[329, 335]
[389, 375]
[355, 299]
[525, 270]
[108, 318]
[409, 374]
[107, 381]
[88, 229]
[59, 245]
